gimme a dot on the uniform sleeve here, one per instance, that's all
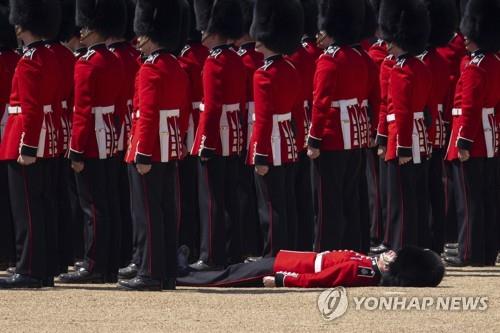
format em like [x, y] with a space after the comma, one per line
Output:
[347, 274]
[325, 80]
[385, 72]
[149, 95]
[29, 76]
[472, 102]
[400, 90]
[262, 127]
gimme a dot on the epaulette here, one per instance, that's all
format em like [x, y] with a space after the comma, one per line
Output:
[267, 63]
[88, 55]
[379, 42]
[304, 44]
[152, 58]
[215, 53]
[389, 57]
[28, 54]
[331, 51]
[422, 55]
[241, 51]
[476, 60]
[400, 63]
[185, 49]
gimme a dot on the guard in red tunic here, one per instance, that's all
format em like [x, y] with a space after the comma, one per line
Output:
[279, 117]
[8, 61]
[156, 142]
[338, 125]
[303, 237]
[408, 267]
[191, 58]
[29, 144]
[473, 145]
[219, 138]
[408, 94]
[444, 17]
[94, 135]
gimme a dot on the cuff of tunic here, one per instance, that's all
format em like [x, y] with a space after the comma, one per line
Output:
[381, 140]
[279, 279]
[405, 152]
[75, 156]
[314, 142]
[463, 143]
[29, 150]
[142, 158]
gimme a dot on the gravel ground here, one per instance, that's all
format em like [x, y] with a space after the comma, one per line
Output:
[103, 308]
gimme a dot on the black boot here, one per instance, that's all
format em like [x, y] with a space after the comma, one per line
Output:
[19, 281]
[141, 283]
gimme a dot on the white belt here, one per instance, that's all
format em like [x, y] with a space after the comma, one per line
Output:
[64, 104]
[344, 103]
[416, 116]
[345, 119]
[318, 262]
[231, 107]
[196, 105]
[18, 110]
[456, 112]
[101, 129]
[277, 118]
[489, 128]
[165, 130]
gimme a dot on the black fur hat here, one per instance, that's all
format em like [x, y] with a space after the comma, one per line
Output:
[129, 26]
[67, 26]
[223, 17]
[342, 20]
[310, 17]
[247, 7]
[194, 34]
[414, 267]
[278, 24]
[370, 25]
[162, 21]
[7, 34]
[40, 17]
[480, 23]
[185, 25]
[444, 17]
[107, 17]
[406, 23]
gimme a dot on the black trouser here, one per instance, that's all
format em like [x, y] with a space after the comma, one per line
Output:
[497, 195]
[277, 202]
[7, 238]
[338, 217]
[364, 207]
[402, 208]
[251, 242]
[437, 196]
[189, 232]
[51, 213]
[155, 205]
[239, 275]
[95, 192]
[124, 243]
[384, 197]
[32, 211]
[374, 196]
[423, 204]
[475, 201]
[451, 220]
[304, 238]
[232, 210]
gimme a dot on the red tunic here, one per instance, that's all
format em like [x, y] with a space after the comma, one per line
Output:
[340, 80]
[439, 96]
[252, 60]
[312, 48]
[278, 102]
[224, 96]
[327, 269]
[66, 60]
[474, 121]
[306, 66]
[160, 123]
[31, 126]
[408, 95]
[8, 62]
[378, 52]
[385, 74]
[127, 56]
[192, 59]
[97, 92]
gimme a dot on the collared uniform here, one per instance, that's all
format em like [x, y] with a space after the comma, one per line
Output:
[278, 105]
[191, 59]
[408, 93]
[219, 138]
[157, 140]
[378, 52]
[337, 129]
[94, 141]
[473, 129]
[309, 44]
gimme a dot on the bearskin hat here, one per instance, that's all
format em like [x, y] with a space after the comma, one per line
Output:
[67, 26]
[194, 34]
[310, 17]
[107, 17]
[414, 267]
[7, 34]
[223, 17]
[129, 25]
[342, 20]
[40, 17]
[406, 23]
[278, 24]
[370, 25]
[480, 23]
[162, 21]
[247, 7]
[444, 16]
[185, 25]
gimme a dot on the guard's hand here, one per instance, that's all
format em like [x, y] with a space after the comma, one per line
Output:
[77, 166]
[143, 168]
[313, 153]
[404, 160]
[463, 155]
[26, 160]
[269, 282]
[381, 151]
[261, 170]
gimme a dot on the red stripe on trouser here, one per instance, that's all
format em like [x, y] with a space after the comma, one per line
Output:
[30, 230]
[148, 220]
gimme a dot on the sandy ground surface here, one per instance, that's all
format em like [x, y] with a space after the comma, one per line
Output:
[103, 308]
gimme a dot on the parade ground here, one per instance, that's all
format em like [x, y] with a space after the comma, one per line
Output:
[103, 308]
